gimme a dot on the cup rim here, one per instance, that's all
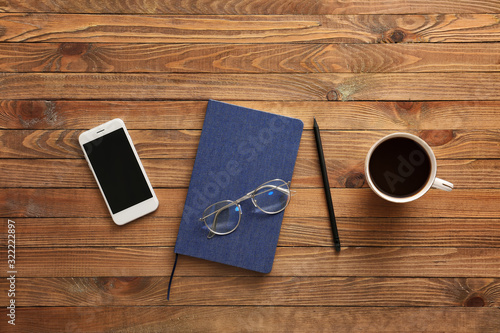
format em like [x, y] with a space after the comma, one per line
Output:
[424, 189]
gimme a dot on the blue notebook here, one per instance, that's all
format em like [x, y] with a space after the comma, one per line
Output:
[239, 150]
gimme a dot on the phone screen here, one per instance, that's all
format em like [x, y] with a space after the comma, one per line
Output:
[117, 170]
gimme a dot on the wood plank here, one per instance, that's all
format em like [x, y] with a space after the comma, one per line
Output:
[289, 262]
[257, 319]
[354, 232]
[255, 291]
[64, 143]
[294, 87]
[249, 29]
[248, 58]
[342, 173]
[75, 173]
[172, 173]
[389, 232]
[251, 7]
[347, 115]
[446, 144]
[18, 114]
[360, 202]
[182, 144]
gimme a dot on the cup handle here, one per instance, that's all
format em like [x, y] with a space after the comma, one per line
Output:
[442, 184]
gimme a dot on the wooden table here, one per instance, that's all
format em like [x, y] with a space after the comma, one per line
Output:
[362, 68]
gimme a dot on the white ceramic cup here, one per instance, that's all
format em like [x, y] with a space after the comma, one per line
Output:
[432, 180]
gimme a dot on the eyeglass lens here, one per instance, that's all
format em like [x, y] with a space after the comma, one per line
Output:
[272, 197]
[222, 217]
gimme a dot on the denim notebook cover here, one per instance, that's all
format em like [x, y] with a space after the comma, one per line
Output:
[239, 149]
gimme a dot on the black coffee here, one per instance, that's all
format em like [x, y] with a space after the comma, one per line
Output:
[399, 167]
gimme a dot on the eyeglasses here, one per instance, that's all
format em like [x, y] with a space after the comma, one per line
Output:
[223, 217]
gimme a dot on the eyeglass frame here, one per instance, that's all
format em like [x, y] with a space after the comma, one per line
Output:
[249, 195]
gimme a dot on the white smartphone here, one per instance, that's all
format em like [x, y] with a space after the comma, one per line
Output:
[118, 171]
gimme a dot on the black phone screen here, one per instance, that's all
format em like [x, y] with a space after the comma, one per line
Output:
[117, 170]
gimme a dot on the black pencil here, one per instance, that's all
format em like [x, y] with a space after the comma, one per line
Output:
[326, 184]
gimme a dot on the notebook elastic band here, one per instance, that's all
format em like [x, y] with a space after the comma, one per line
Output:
[172, 276]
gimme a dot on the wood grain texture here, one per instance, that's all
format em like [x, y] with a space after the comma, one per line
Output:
[295, 87]
[259, 319]
[182, 144]
[245, 7]
[74, 57]
[175, 173]
[289, 262]
[332, 115]
[258, 291]
[350, 202]
[296, 231]
[364, 69]
[250, 29]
